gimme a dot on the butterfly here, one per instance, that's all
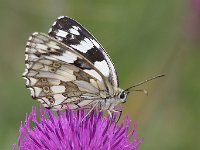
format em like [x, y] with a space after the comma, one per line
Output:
[69, 69]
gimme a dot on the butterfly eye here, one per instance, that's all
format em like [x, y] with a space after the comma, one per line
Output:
[122, 96]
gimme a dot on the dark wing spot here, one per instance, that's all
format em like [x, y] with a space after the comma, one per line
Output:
[81, 64]
[94, 54]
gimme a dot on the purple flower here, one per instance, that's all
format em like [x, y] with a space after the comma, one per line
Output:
[65, 131]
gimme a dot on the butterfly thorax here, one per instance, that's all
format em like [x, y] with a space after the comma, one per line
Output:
[110, 101]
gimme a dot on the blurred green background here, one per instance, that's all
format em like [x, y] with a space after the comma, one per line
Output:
[143, 37]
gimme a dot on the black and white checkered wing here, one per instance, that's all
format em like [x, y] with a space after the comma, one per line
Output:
[68, 68]
[57, 75]
[71, 33]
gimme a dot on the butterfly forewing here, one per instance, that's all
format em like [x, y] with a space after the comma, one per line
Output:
[71, 33]
[58, 76]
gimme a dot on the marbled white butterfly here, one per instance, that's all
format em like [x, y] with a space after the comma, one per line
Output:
[69, 69]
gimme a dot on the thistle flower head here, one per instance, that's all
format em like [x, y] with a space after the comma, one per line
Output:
[65, 130]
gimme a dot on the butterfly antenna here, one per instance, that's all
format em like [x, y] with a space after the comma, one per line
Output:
[141, 90]
[158, 76]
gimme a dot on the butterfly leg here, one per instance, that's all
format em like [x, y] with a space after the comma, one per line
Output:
[115, 111]
[110, 114]
[119, 116]
[94, 106]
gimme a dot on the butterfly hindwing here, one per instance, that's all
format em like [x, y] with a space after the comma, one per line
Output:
[58, 76]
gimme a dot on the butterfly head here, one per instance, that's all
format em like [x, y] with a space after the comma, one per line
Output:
[122, 95]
